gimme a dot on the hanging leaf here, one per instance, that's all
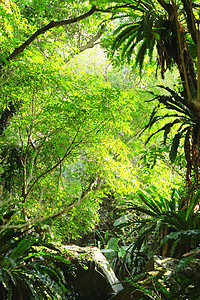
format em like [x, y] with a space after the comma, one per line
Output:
[123, 35]
[187, 147]
[174, 147]
[177, 98]
[166, 128]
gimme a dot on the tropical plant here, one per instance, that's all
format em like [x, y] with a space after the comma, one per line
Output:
[163, 219]
[162, 25]
[182, 241]
[144, 27]
[172, 30]
[184, 121]
[174, 286]
[31, 268]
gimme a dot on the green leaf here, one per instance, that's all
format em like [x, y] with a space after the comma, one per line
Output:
[174, 148]
[184, 262]
[193, 202]
[123, 219]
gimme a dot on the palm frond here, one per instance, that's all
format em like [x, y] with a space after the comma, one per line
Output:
[150, 203]
[130, 42]
[166, 128]
[141, 54]
[124, 35]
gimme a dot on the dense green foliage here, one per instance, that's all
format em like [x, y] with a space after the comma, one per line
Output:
[29, 268]
[78, 125]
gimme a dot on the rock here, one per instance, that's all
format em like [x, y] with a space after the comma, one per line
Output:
[166, 265]
[94, 279]
[128, 293]
[160, 267]
[169, 265]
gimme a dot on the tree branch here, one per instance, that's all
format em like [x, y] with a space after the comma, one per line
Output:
[49, 26]
[92, 187]
[113, 8]
[54, 24]
[190, 19]
[67, 152]
[95, 38]
[90, 44]
[98, 181]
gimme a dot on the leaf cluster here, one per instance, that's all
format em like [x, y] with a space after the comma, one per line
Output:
[161, 219]
[28, 271]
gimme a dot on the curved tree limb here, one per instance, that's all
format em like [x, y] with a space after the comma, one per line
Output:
[8, 113]
[49, 26]
[54, 24]
[94, 186]
[90, 44]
